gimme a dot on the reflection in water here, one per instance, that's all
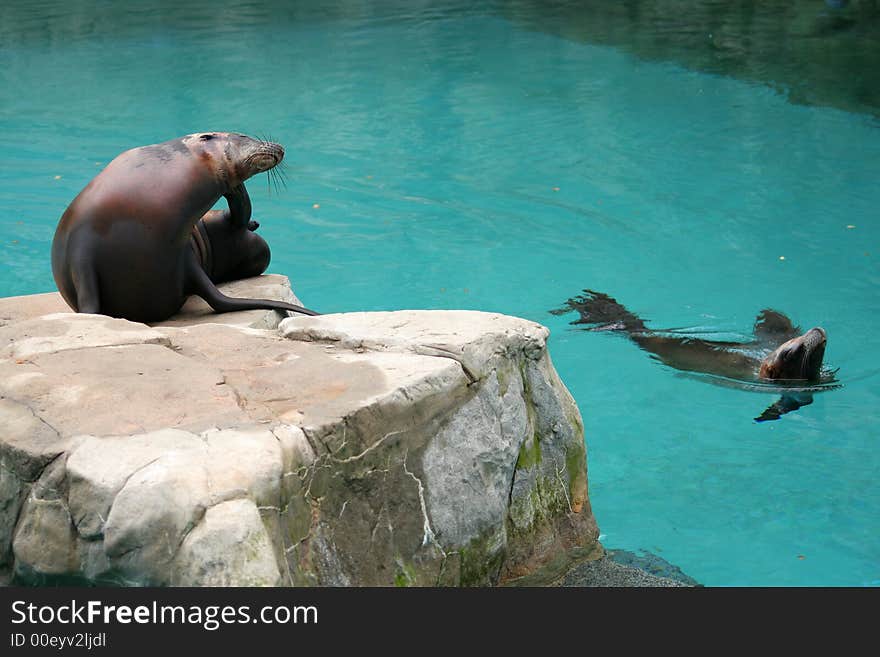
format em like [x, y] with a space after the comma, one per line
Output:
[816, 52]
[823, 53]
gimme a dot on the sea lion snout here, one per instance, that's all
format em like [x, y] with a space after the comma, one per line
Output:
[263, 155]
[814, 342]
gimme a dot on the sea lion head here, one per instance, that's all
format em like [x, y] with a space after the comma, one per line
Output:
[234, 157]
[799, 359]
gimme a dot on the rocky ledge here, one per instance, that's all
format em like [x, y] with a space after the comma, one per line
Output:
[386, 448]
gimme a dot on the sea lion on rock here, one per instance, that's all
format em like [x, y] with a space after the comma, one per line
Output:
[779, 356]
[141, 237]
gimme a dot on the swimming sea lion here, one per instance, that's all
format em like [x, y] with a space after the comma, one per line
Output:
[779, 353]
[140, 238]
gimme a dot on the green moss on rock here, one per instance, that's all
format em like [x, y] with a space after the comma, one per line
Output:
[575, 463]
[529, 453]
[405, 576]
[481, 560]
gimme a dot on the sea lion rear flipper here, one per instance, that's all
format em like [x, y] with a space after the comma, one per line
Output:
[785, 404]
[202, 286]
[775, 327]
[598, 308]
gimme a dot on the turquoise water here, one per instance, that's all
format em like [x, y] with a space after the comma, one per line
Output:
[455, 157]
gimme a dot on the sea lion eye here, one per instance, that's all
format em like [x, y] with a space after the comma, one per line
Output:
[206, 137]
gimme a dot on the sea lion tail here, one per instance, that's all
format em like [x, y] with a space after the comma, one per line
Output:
[603, 311]
[202, 286]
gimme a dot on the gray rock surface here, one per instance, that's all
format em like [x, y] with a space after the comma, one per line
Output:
[397, 448]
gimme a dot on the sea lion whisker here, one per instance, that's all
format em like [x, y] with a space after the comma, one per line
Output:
[805, 363]
[281, 172]
[277, 179]
[278, 176]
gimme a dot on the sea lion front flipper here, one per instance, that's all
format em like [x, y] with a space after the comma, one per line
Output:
[239, 206]
[774, 327]
[785, 404]
[202, 286]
